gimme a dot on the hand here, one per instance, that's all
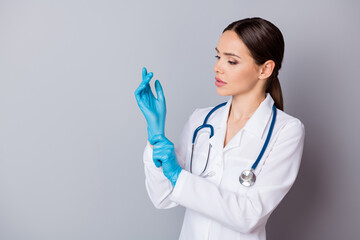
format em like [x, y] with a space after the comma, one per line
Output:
[164, 152]
[154, 109]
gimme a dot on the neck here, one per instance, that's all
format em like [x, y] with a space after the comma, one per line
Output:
[244, 106]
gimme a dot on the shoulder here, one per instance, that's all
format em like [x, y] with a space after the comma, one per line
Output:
[198, 115]
[289, 125]
[215, 110]
[201, 112]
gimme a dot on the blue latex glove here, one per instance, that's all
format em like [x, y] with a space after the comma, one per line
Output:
[164, 152]
[154, 109]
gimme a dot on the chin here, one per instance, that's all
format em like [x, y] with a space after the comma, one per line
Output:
[223, 92]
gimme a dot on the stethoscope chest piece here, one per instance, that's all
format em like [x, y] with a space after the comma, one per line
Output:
[247, 178]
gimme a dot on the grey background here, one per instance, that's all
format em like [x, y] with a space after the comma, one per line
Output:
[72, 136]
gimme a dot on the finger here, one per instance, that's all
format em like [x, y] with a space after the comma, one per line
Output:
[145, 75]
[156, 150]
[158, 154]
[157, 138]
[144, 83]
[157, 163]
[159, 91]
[148, 77]
[156, 158]
[138, 97]
[162, 148]
[144, 72]
[137, 93]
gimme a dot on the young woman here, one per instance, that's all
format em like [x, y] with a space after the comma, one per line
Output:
[246, 152]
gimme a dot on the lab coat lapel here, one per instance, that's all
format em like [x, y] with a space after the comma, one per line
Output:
[219, 120]
[261, 119]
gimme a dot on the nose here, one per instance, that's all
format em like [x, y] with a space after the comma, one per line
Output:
[217, 67]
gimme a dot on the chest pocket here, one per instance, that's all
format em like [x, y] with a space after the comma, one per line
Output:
[233, 167]
[236, 161]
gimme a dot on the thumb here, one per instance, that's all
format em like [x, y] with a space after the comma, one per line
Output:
[159, 91]
[157, 163]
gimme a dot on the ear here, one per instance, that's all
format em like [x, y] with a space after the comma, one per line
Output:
[267, 69]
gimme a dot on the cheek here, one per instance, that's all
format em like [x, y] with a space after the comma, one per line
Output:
[240, 78]
[243, 75]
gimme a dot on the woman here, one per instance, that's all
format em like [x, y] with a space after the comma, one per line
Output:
[222, 200]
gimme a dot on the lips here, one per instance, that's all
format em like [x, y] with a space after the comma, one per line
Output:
[219, 80]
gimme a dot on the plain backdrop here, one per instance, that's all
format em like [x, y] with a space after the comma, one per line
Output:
[72, 135]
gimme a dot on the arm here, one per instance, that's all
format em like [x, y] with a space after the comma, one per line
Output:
[159, 188]
[244, 212]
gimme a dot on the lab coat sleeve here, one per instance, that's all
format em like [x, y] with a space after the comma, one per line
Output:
[157, 185]
[244, 212]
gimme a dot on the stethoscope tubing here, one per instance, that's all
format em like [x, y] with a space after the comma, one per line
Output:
[243, 180]
[267, 139]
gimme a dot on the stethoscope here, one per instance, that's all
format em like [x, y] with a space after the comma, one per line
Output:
[247, 177]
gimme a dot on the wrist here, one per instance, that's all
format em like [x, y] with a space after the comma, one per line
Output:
[176, 176]
[152, 134]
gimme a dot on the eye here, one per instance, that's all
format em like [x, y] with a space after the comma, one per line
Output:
[232, 63]
[217, 57]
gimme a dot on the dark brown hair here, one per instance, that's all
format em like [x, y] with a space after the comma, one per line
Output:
[265, 42]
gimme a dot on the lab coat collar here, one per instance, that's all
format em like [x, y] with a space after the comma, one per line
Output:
[255, 125]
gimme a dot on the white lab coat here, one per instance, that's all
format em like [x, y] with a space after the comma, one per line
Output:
[217, 205]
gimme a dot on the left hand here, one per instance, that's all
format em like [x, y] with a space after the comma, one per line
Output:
[154, 109]
[163, 151]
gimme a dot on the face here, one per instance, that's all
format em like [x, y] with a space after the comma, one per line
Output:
[235, 70]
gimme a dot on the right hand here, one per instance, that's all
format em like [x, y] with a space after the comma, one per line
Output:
[154, 109]
[164, 155]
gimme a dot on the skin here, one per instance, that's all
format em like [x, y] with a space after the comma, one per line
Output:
[245, 80]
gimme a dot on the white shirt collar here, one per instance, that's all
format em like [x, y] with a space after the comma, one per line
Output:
[257, 122]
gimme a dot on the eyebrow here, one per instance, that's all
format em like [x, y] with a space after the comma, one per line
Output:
[228, 54]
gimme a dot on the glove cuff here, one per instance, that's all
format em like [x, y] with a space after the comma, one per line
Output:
[175, 177]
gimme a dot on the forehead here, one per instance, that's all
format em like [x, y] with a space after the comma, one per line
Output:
[230, 42]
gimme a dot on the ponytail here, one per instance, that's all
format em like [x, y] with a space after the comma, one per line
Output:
[274, 88]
